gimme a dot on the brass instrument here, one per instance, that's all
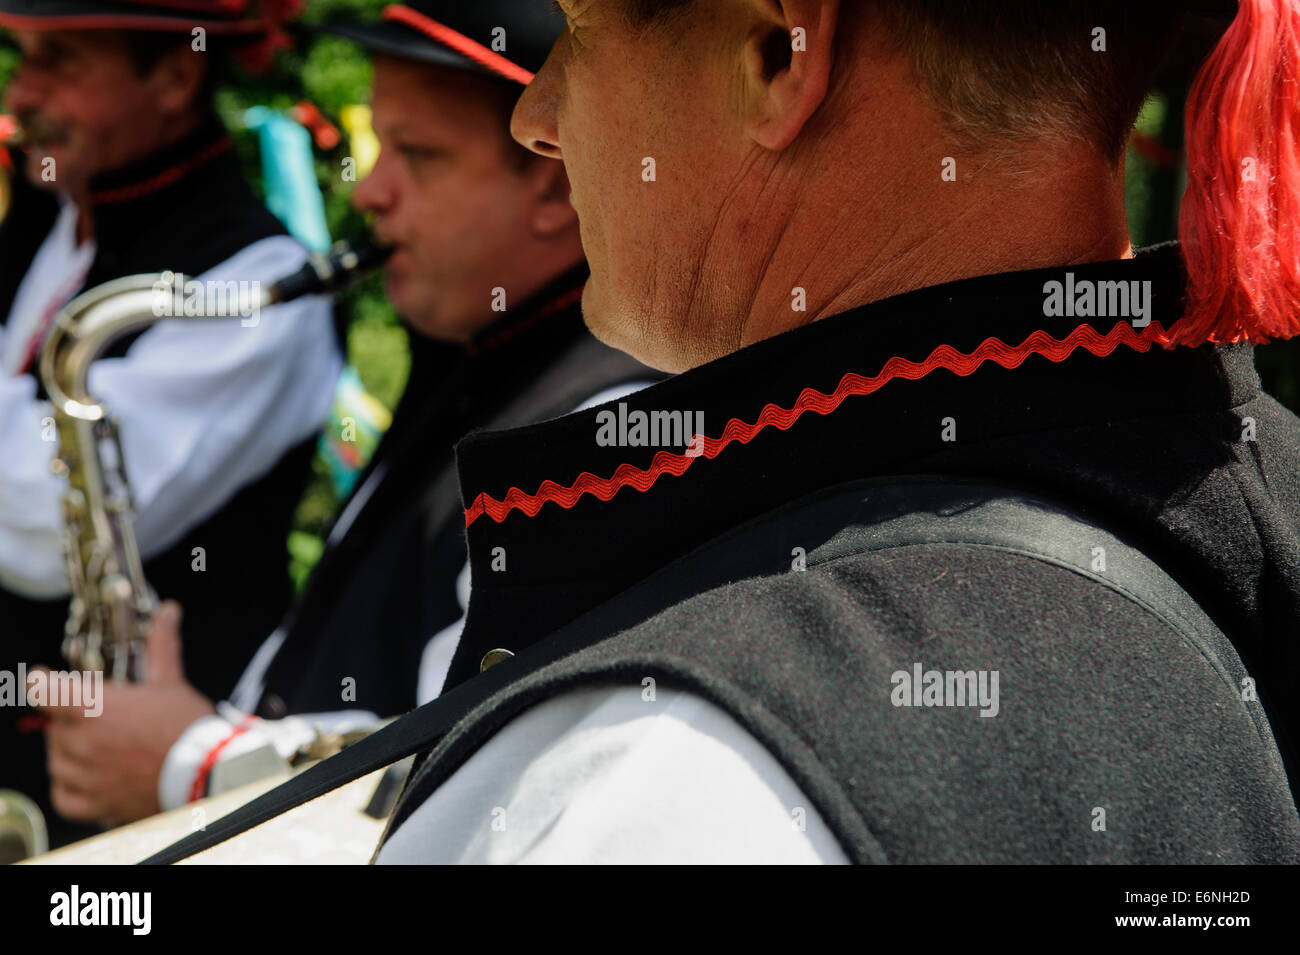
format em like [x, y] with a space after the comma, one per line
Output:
[22, 829]
[112, 603]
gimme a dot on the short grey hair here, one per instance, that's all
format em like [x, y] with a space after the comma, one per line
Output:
[1066, 71]
[1017, 70]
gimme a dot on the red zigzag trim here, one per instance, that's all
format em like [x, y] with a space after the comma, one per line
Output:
[945, 356]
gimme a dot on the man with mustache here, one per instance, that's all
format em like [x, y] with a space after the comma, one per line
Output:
[955, 576]
[127, 169]
[487, 273]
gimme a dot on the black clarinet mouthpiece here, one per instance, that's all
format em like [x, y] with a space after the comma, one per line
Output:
[331, 272]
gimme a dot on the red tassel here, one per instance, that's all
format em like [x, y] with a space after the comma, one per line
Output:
[1240, 222]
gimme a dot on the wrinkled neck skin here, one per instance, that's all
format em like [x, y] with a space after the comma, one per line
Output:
[851, 224]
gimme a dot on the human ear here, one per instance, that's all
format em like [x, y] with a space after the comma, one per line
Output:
[177, 78]
[787, 58]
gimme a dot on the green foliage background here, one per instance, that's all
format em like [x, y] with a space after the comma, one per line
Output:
[333, 73]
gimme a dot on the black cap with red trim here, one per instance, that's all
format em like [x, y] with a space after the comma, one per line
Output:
[255, 28]
[503, 38]
[234, 17]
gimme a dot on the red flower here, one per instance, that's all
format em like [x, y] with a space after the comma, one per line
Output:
[256, 57]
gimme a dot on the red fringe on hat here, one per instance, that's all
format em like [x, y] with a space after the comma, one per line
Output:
[1240, 222]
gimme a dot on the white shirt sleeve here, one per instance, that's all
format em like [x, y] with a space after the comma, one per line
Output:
[606, 776]
[204, 408]
[287, 736]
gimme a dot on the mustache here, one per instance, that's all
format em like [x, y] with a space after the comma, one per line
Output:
[38, 129]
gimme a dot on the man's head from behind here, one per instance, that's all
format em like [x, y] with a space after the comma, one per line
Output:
[468, 210]
[96, 100]
[734, 159]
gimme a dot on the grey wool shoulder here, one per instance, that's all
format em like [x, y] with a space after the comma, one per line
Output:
[1119, 727]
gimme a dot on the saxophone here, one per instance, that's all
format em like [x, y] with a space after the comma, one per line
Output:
[112, 603]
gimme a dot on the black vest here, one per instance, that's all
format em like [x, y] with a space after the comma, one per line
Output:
[684, 570]
[186, 209]
[387, 585]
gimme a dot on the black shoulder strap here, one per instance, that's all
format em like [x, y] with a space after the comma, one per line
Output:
[912, 510]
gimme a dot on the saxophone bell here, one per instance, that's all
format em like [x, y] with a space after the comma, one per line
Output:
[22, 828]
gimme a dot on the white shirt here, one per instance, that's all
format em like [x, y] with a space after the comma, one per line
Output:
[607, 775]
[204, 408]
[56, 273]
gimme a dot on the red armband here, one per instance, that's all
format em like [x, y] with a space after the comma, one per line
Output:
[199, 789]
